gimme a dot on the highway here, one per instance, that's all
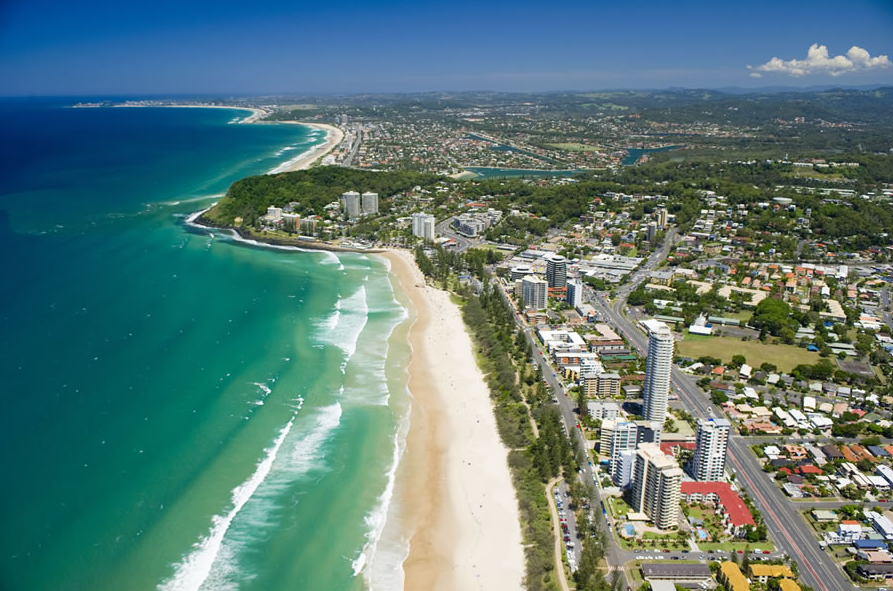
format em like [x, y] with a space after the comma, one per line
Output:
[787, 527]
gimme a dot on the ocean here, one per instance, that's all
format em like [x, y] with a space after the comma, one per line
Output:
[180, 410]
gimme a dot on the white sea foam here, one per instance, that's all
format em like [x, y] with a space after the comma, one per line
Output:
[193, 570]
[352, 315]
[301, 455]
[381, 560]
[330, 259]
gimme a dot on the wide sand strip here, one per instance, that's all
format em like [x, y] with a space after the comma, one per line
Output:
[455, 483]
[305, 160]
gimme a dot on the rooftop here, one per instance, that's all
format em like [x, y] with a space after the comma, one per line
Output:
[738, 513]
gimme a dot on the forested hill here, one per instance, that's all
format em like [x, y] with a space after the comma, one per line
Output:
[313, 189]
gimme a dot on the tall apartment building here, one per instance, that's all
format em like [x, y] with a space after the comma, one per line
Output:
[656, 389]
[623, 437]
[534, 292]
[661, 217]
[575, 293]
[709, 460]
[556, 271]
[656, 483]
[351, 204]
[650, 231]
[626, 464]
[370, 203]
[423, 226]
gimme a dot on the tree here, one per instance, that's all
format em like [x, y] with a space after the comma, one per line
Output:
[773, 314]
[738, 361]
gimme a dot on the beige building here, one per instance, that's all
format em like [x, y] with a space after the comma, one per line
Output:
[603, 385]
[657, 480]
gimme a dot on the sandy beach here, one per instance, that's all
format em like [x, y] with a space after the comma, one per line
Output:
[459, 502]
[304, 160]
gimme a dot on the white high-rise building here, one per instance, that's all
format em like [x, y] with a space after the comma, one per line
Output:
[351, 202]
[534, 292]
[656, 391]
[423, 226]
[575, 294]
[623, 437]
[556, 271]
[657, 480]
[661, 217]
[370, 203]
[626, 464]
[709, 461]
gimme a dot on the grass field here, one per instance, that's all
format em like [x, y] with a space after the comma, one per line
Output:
[811, 173]
[785, 357]
[619, 508]
[574, 147]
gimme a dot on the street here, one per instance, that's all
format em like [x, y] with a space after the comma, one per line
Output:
[787, 527]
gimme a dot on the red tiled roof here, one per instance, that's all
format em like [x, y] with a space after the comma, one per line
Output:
[668, 446]
[738, 513]
[809, 469]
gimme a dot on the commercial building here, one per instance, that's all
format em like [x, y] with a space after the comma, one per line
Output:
[657, 373]
[370, 203]
[656, 486]
[556, 271]
[712, 442]
[423, 226]
[350, 202]
[534, 292]
[575, 294]
[520, 271]
[665, 571]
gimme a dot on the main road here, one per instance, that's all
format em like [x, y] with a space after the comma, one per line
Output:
[781, 516]
[615, 557]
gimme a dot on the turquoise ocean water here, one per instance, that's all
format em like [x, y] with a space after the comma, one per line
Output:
[179, 410]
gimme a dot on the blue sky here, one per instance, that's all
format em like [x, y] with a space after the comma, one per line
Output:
[164, 47]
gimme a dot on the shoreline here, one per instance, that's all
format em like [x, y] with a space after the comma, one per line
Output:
[196, 220]
[303, 161]
[256, 113]
[460, 509]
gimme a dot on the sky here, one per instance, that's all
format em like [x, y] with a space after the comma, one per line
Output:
[224, 47]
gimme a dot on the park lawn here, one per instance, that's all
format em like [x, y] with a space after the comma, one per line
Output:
[619, 508]
[743, 316]
[574, 147]
[785, 357]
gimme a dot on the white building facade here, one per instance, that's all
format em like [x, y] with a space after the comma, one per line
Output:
[656, 389]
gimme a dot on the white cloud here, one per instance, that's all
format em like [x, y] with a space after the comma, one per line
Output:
[819, 62]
